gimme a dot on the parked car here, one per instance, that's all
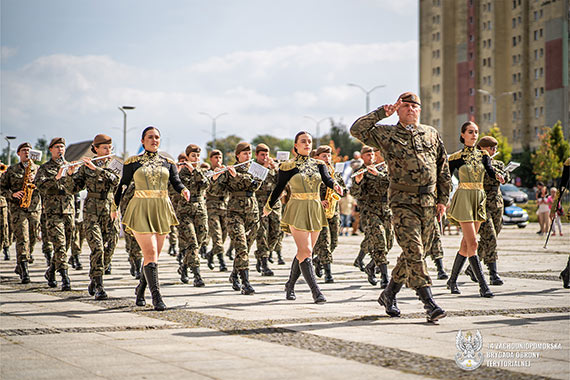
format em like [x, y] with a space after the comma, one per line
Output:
[514, 192]
[513, 214]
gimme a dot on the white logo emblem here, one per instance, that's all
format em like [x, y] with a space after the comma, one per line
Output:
[469, 358]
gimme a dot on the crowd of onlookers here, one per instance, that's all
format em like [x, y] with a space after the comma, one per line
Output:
[545, 200]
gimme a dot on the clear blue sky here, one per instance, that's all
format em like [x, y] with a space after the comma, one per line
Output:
[68, 64]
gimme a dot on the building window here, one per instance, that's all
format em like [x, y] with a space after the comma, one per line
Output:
[489, 61]
[536, 92]
[514, 78]
[514, 4]
[471, 109]
[484, 43]
[535, 54]
[489, 43]
[518, 77]
[484, 61]
[490, 26]
[515, 97]
[514, 22]
[514, 116]
[471, 19]
[489, 80]
[540, 32]
[471, 92]
[536, 113]
[535, 15]
[541, 71]
[514, 41]
[535, 73]
[541, 52]
[514, 60]
[542, 91]
[536, 35]
[519, 20]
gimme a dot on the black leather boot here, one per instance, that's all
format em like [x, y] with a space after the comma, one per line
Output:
[234, 280]
[328, 273]
[138, 265]
[246, 287]
[71, 261]
[24, 273]
[293, 277]
[270, 257]
[139, 291]
[180, 256]
[100, 293]
[108, 269]
[78, 265]
[48, 255]
[229, 252]
[369, 270]
[203, 251]
[307, 270]
[388, 298]
[31, 258]
[210, 258]
[223, 267]
[198, 282]
[172, 250]
[65, 281]
[565, 275]
[441, 275]
[469, 272]
[151, 274]
[318, 267]
[483, 287]
[132, 268]
[494, 278]
[6, 253]
[258, 265]
[433, 312]
[457, 265]
[358, 262]
[91, 287]
[183, 272]
[265, 271]
[50, 276]
[280, 260]
[383, 276]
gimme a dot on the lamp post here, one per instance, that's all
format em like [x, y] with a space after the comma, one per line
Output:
[124, 110]
[317, 122]
[213, 118]
[494, 100]
[367, 92]
[8, 138]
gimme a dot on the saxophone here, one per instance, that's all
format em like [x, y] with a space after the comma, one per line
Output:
[331, 197]
[28, 187]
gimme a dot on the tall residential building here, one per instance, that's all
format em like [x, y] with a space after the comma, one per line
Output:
[503, 61]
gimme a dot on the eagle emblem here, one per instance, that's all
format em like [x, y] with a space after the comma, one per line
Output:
[469, 356]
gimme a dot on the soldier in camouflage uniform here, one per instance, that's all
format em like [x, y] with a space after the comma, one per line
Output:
[328, 237]
[99, 211]
[435, 250]
[5, 228]
[78, 235]
[174, 238]
[243, 214]
[59, 209]
[216, 204]
[193, 217]
[419, 180]
[370, 188]
[133, 249]
[25, 220]
[269, 229]
[489, 230]
[47, 246]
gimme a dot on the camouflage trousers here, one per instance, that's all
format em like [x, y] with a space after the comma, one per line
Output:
[102, 235]
[413, 226]
[173, 237]
[242, 228]
[217, 229]
[47, 246]
[60, 229]
[375, 235]
[133, 248]
[26, 226]
[488, 233]
[192, 230]
[268, 233]
[77, 238]
[334, 226]
[4, 234]
[436, 250]
[322, 248]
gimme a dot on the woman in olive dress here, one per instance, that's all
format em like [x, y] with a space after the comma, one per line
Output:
[468, 203]
[149, 215]
[304, 215]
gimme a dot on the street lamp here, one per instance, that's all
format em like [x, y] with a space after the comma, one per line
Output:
[214, 118]
[367, 92]
[494, 100]
[8, 138]
[317, 122]
[123, 109]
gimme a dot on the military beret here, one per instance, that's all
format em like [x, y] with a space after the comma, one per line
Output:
[261, 148]
[102, 139]
[215, 152]
[410, 97]
[242, 146]
[323, 149]
[193, 148]
[24, 145]
[366, 149]
[56, 140]
[182, 156]
[487, 141]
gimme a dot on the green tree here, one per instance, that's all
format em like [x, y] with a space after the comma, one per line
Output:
[344, 143]
[504, 149]
[227, 146]
[274, 143]
[546, 165]
[559, 145]
[42, 144]
[526, 171]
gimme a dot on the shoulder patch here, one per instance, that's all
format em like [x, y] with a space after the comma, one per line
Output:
[287, 165]
[455, 156]
[319, 162]
[132, 159]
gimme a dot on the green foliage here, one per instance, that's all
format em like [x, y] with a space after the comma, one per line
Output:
[227, 146]
[42, 144]
[559, 145]
[344, 143]
[546, 164]
[504, 149]
[525, 171]
[274, 143]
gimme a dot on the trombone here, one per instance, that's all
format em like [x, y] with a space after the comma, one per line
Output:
[212, 173]
[362, 171]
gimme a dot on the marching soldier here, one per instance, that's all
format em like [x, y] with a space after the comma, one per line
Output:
[17, 185]
[193, 217]
[5, 228]
[175, 198]
[59, 209]
[78, 233]
[563, 185]
[243, 214]
[216, 204]
[132, 247]
[47, 246]
[328, 237]
[420, 183]
[435, 251]
[99, 212]
[269, 228]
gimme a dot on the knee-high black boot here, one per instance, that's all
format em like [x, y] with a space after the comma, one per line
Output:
[139, 290]
[457, 265]
[483, 287]
[565, 275]
[293, 277]
[151, 274]
[309, 275]
[388, 298]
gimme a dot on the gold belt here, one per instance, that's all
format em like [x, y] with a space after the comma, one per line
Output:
[471, 185]
[306, 196]
[151, 194]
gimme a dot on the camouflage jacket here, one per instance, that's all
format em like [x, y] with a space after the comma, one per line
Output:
[197, 183]
[3, 202]
[372, 192]
[13, 181]
[174, 196]
[266, 188]
[216, 196]
[323, 190]
[127, 196]
[242, 190]
[416, 159]
[56, 199]
[491, 185]
[100, 184]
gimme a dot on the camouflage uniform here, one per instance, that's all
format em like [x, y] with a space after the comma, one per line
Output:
[101, 232]
[78, 233]
[47, 246]
[216, 204]
[434, 249]
[24, 221]
[269, 231]
[175, 240]
[131, 245]
[5, 230]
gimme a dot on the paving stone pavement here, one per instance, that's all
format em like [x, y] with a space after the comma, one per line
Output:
[216, 333]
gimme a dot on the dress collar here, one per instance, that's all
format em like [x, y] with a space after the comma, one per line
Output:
[300, 159]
